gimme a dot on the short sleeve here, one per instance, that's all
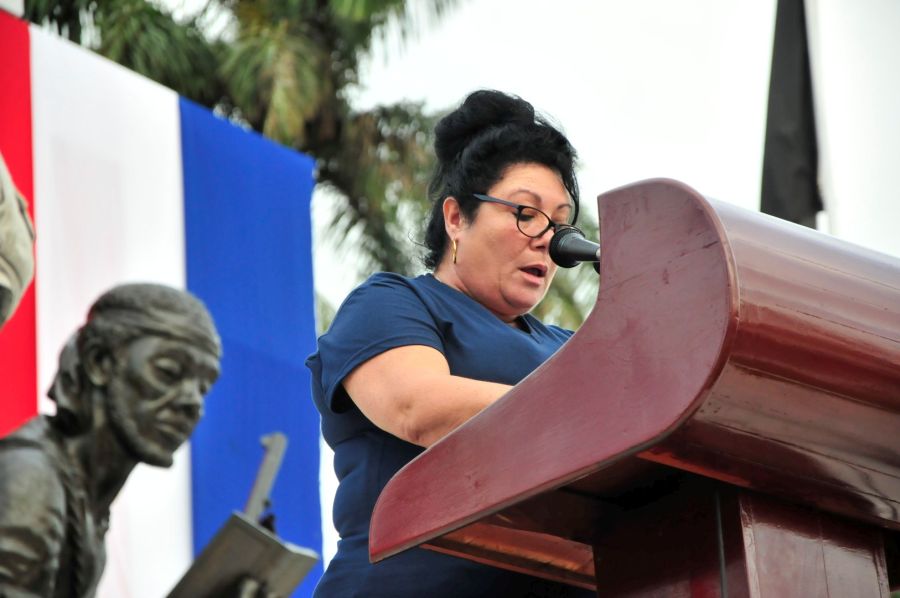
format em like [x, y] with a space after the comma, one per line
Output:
[383, 313]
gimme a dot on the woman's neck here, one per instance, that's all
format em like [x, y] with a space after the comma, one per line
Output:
[445, 275]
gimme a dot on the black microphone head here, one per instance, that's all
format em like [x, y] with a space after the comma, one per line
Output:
[559, 257]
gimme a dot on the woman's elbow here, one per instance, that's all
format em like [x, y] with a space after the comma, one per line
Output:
[417, 431]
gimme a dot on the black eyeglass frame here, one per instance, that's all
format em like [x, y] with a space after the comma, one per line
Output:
[553, 225]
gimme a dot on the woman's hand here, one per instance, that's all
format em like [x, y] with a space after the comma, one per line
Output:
[410, 393]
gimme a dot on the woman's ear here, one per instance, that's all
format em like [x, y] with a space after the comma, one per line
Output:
[453, 217]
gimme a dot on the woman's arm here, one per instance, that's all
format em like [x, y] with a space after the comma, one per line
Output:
[410, 393]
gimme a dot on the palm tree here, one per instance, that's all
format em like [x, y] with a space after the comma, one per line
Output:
[284, 68]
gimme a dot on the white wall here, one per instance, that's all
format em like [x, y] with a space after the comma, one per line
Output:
[108, 193]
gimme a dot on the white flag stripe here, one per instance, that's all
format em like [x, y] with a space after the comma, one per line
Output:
[108, 188]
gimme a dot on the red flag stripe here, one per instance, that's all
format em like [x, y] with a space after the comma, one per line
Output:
[18, 344]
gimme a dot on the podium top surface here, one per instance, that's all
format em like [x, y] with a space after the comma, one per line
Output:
[723, 342]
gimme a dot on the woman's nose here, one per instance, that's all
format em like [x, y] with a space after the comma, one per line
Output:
[543, 240]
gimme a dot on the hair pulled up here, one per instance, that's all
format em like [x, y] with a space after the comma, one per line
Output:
[476, 143]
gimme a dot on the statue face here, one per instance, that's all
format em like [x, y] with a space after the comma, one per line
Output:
[16, 238]
[155, 395]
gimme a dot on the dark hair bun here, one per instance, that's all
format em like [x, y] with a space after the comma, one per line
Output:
[482, 110]
[476, 143]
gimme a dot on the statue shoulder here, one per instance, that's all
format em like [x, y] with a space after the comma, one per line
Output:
[32, 510]
[33, 430]
[30, 462]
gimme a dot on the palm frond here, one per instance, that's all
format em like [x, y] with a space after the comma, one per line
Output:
[274, 79]
[381, 170]
[325, 312]
[65, 17]
[149, 41]
[370, 15]
[570, 298]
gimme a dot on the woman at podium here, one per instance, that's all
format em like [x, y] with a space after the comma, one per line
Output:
[407, 360]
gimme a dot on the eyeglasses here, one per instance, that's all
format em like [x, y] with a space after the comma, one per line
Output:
[530, 221]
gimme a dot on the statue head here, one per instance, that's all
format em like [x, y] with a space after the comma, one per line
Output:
[16, 240]
[145, 359]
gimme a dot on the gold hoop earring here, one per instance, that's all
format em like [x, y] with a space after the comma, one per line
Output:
[454, 250]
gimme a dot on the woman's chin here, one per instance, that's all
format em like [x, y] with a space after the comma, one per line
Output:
[524, 301]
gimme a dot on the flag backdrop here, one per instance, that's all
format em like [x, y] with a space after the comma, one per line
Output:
[128, 182]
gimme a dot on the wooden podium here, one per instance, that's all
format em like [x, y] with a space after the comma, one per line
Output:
[725, 423]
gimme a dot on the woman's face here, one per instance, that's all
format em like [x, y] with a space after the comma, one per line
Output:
[496, 264]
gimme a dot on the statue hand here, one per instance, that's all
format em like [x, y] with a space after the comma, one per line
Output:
[251, 588]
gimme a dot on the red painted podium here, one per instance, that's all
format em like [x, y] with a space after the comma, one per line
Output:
[726, 422]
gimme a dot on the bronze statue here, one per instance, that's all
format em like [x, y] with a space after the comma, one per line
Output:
[16, 240]
[129, 390]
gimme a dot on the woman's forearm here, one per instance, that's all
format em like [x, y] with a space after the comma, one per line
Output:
[410, 393]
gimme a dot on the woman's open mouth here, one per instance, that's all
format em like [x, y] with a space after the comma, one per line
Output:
[539, 272]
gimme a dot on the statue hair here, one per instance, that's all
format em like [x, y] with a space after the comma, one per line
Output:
[119, 316]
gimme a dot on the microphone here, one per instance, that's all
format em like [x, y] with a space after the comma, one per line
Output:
[568, 247]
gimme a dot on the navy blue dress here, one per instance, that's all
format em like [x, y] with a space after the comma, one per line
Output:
[385, 312]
